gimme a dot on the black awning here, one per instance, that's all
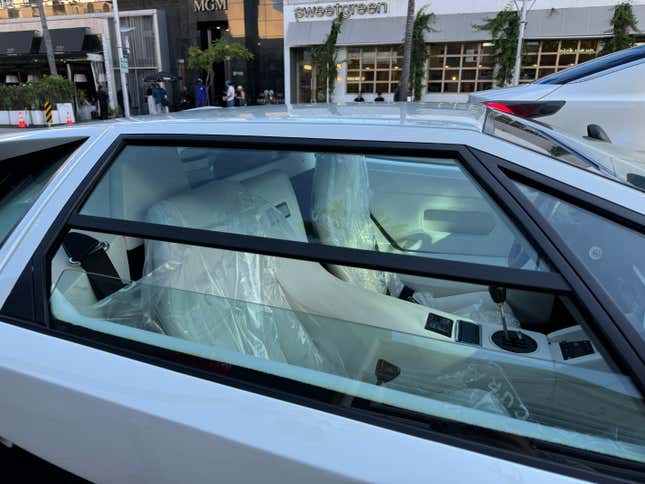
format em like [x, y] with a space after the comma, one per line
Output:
[16, 43]
[65, 40]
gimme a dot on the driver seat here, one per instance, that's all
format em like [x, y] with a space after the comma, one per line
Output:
[341, 217]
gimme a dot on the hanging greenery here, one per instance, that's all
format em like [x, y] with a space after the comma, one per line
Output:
[422, 23]
[325, 59]
[504, 29]
[622, 21]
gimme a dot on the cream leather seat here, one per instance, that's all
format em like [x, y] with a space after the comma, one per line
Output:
[341, 217]
[227, 298]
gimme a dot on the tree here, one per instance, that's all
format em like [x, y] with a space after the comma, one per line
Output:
[219, 51]
[407, 52]
[422, 23]
[504, 30]
[325, 58]
[49, 48]
[622, 21]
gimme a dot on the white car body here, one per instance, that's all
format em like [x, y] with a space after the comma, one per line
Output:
[613, 99]
[109, 418]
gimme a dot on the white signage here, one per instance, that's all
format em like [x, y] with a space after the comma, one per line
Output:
[333, 10]
[124, 64]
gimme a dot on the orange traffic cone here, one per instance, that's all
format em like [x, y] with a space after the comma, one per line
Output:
[21, 120]
[69, 119]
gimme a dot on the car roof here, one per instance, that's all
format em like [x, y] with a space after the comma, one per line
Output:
[458, 116]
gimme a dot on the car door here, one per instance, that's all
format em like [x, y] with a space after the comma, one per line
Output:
[612, 100]
[207, 364]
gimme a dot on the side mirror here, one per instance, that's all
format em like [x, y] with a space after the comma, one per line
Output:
[596, 132]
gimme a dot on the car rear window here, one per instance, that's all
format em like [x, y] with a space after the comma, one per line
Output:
[22, 178]
[595, 66]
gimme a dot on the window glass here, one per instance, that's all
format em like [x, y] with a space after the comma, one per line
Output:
[518, 133]
[22, 178]
[432, 352]
[612, 253]
[415, 206]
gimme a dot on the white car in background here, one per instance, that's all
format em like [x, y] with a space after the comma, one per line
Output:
[603, 98]
[395, 293]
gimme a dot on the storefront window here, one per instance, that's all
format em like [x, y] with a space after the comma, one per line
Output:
[545, 57]
[459, 67]
[373, 69]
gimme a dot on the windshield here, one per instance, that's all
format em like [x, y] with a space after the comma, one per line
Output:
[22, 178]
[595, 66]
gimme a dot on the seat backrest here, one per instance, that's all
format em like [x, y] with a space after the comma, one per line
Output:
[341, 212]
[220, 297]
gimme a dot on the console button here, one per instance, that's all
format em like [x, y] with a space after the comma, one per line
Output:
[575, 349]
[439, 324]
[469, 333]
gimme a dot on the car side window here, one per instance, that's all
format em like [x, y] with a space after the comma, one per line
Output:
[612, 253]
[521, 362]
[422, 207]
[22, 178]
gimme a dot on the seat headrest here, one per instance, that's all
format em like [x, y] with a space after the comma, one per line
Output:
[341, 212]
[145, 175]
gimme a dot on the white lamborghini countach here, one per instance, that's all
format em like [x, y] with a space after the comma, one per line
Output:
[312, 294]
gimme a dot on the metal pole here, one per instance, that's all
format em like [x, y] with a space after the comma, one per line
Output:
[119, 49]
[520, 40]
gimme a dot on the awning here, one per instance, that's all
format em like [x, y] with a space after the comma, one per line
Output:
[373, 31]
[16, 43]
[65, 40]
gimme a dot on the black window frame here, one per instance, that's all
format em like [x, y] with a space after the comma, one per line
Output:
[488, 171]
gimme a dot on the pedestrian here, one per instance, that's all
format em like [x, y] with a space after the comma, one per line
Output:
[240, 96]
[229, 97]
[359, 98]
[397, 93]
[161, 99]
[379, 98]
[200, 94]
[103, 99]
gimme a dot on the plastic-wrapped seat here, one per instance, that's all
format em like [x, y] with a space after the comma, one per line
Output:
[341, 217]
[226, 298]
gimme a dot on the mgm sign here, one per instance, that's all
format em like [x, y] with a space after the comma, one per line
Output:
[210, 5]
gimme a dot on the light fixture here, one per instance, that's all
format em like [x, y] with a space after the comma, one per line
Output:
[307, 67]
[453, 78]
[11, 79]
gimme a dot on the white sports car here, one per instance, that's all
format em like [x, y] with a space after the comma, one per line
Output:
[312, 294]
[603, 98]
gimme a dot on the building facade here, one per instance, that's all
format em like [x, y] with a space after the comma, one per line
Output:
[84, 47]
[559, 34]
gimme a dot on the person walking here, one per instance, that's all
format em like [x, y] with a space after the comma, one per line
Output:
[103, 99]
[157, 95]
[200, 94]
[229, 97]
[240, 96]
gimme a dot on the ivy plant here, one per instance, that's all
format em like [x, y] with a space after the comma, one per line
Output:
[422, 23]
[504, 29]
[621, 23]
[326, 60]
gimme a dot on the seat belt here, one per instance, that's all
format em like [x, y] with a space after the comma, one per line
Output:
[91, 255]
[407, 294]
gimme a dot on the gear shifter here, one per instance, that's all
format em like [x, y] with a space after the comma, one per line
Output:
[513, 341]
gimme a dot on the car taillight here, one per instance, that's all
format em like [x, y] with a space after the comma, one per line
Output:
[525, 109]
